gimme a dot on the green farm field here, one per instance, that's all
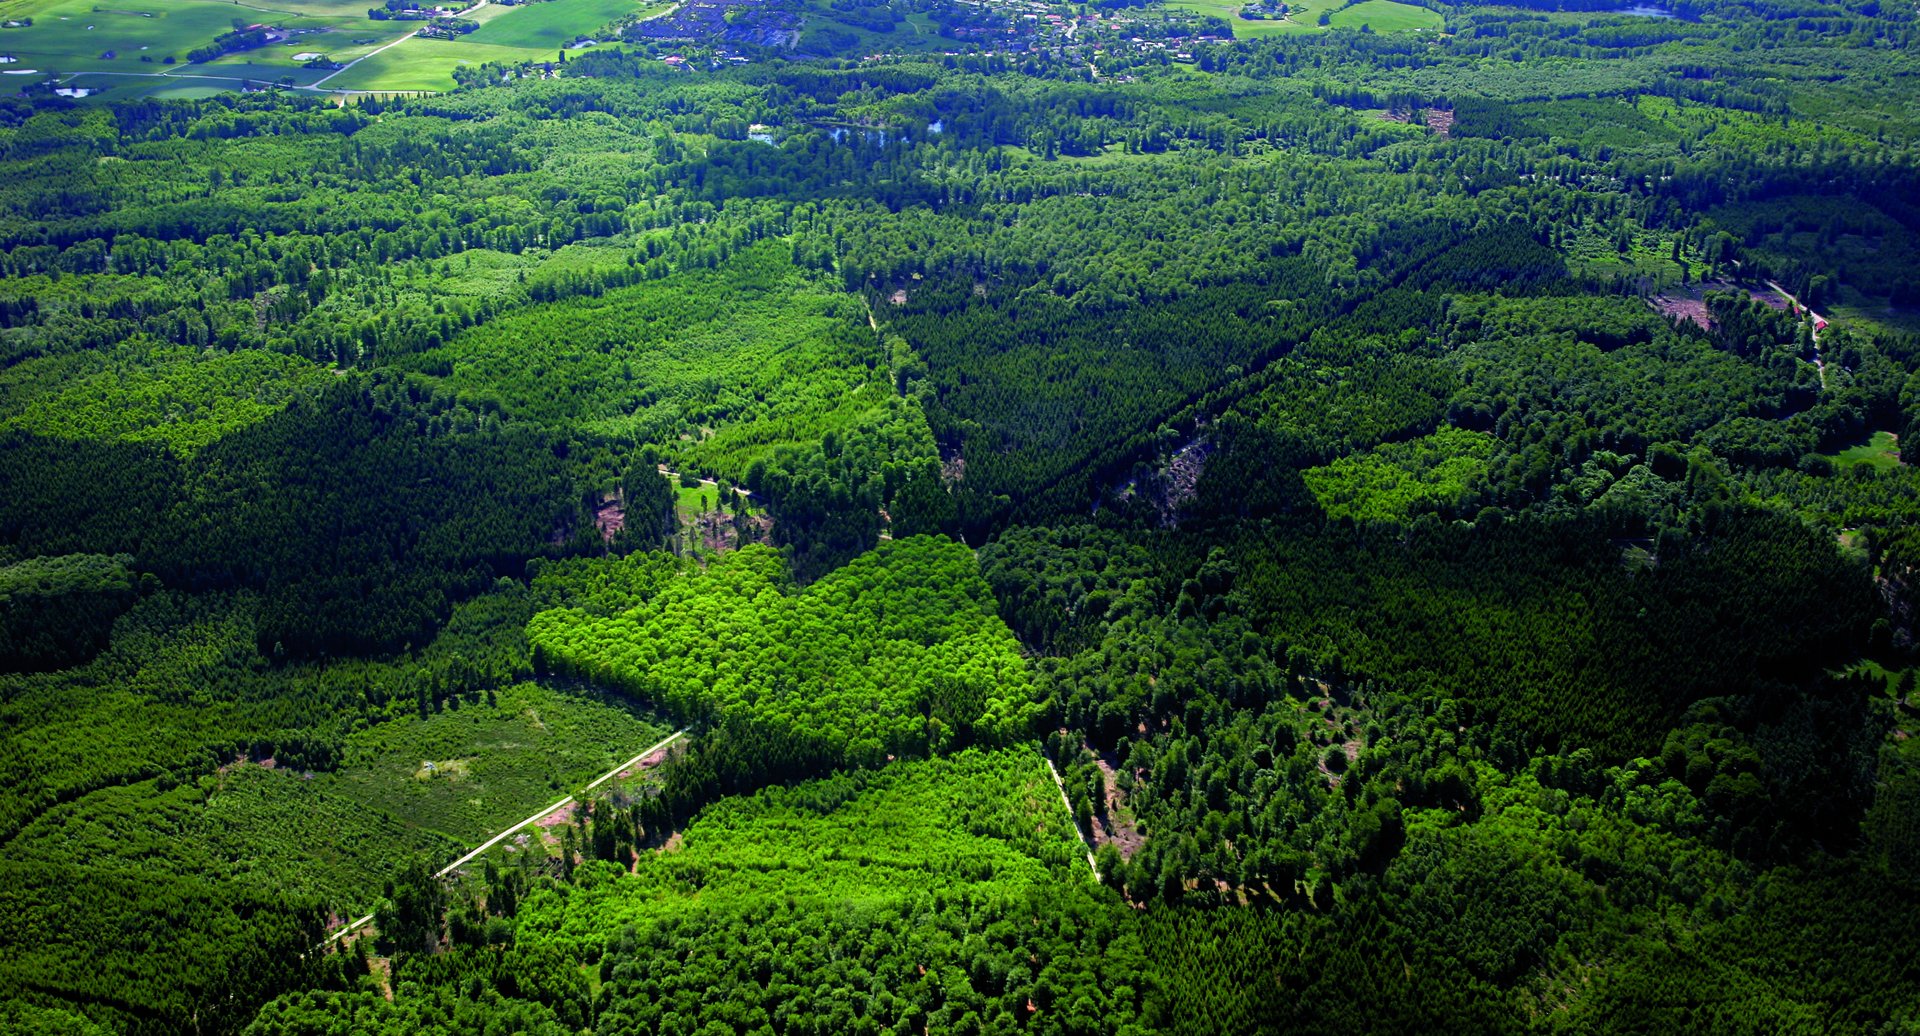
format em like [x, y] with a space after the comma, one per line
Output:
[824, 33]
[551, 25]
[695, 501]
[1380, 15]
[196, 81]
[1387, 16]
[526, 32]
[420, 64]
[116, 50]
[261, 9]
[78, 35]
[161, 88]
[341, 44]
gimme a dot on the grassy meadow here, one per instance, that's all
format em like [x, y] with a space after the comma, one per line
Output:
[1304, 16]
[1386, 16]
[1881, 452]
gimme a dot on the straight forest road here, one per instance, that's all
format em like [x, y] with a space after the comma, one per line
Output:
[356, 925]
[1071, 819]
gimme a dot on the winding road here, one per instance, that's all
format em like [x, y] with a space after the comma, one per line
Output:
[359, 923]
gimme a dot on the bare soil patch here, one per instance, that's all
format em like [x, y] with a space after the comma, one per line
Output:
[610, 517]
[953, 466]
[653, 759]
[1689, 301]
[1116, 825]
[720, 532]
[556, 819]
[1676, 305]
[1439, 120]
[1183, 471]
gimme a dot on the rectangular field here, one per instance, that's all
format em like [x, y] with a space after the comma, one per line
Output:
[1387, 16]
[1304, 16]
[550, 25]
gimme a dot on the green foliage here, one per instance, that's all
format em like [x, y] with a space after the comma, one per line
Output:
[947, 893]
[25, 1018]
[1059, 587]
[471, 767]
[1426, 542]
[738, 361]
[649, 509]
[176, 397]
[249, 831]
[56, 611]
[603, 586]
[431, 502]
[899, 652]
[421, 503]
[1436, 472]
[98, 939]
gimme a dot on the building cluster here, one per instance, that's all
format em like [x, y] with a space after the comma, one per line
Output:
[738, 31]
[1076, 33]
[757, 23]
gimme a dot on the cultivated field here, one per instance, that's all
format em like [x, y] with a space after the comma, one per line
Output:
[138, 37]
[140, 47]
[1386, 16]
[1304, 16]
[527, 32]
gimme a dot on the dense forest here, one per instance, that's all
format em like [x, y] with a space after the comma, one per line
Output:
[1353, 531]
